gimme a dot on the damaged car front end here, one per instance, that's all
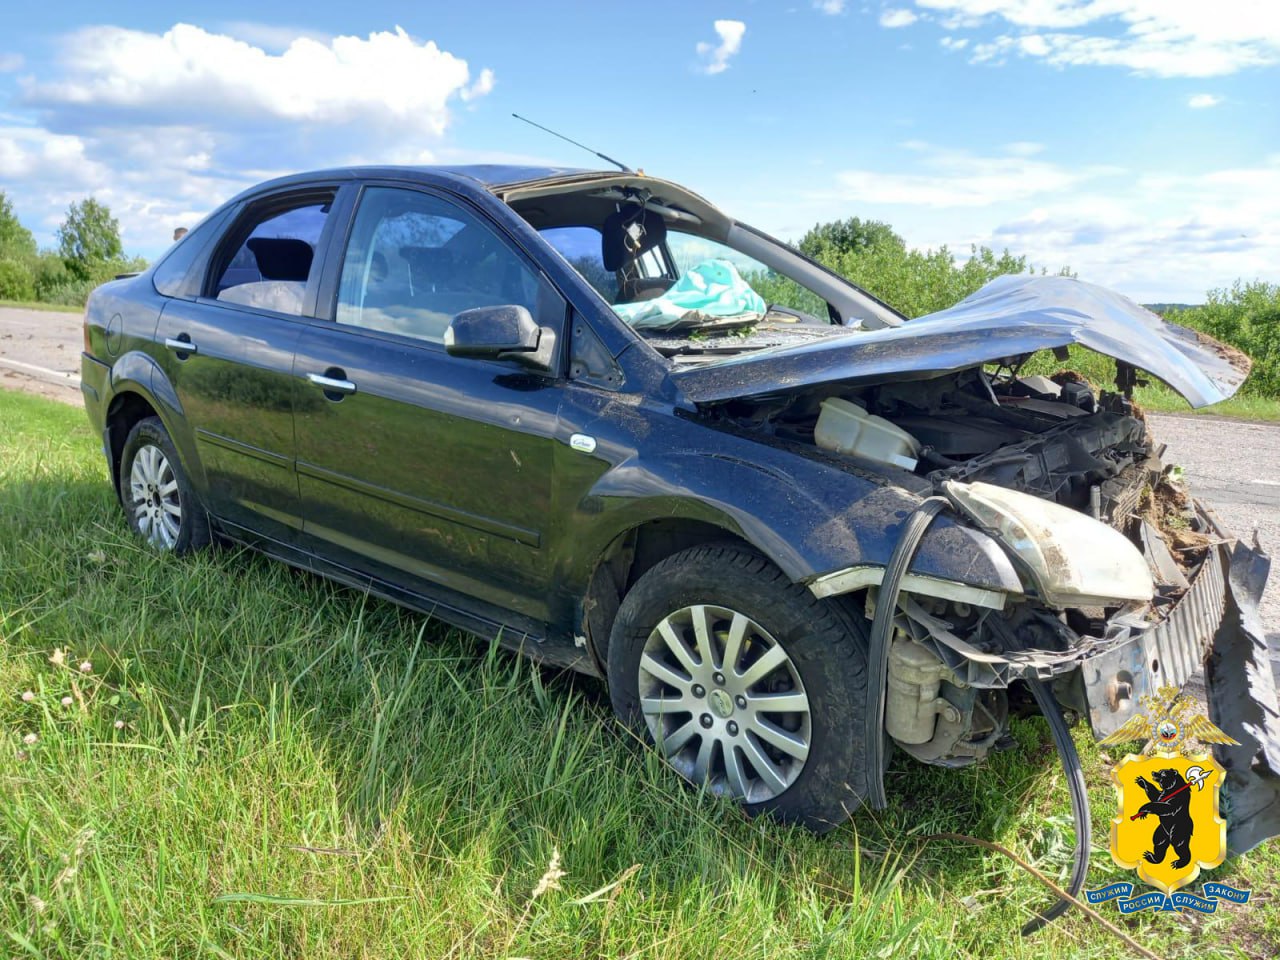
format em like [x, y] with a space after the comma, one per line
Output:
[1127, 583]
[1024, 530]
[1060, 553]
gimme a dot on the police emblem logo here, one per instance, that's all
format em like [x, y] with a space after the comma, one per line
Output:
[1168, 826]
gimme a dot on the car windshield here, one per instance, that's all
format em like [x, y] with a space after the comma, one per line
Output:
[685, 283]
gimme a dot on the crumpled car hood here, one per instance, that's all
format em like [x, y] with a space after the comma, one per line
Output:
[1011, 315]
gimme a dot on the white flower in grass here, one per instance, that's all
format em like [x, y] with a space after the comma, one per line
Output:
[86, 667]
[30, 739]
[67, 701]
[119, 724]
[551, 879]
[28, 696]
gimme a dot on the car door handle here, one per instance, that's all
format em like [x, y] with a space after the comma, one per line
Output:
[331, 384]
[178, 345]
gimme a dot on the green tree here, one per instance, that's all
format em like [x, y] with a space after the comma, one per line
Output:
[16, 241]
[853, 235]
[89, 238]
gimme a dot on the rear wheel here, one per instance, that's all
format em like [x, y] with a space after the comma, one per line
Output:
[159, 503]
[746, 683]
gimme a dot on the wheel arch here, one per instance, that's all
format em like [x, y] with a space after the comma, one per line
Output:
[632, 553]
[140, 388]
[126, 410]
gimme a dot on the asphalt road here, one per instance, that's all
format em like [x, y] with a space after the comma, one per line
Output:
[1232, 465]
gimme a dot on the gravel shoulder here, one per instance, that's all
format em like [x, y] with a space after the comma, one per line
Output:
[40, 353]
[1234, 467]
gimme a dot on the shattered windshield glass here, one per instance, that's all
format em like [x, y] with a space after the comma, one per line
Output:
[718, 289]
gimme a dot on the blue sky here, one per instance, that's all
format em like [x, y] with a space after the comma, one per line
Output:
[1137, 141]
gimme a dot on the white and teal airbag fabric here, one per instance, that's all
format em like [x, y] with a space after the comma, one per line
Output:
[713, 288]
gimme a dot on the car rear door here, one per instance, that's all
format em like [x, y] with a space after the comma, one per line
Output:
[415, 465]
[228, 353]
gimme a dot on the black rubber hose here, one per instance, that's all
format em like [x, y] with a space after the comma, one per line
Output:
[1079, 801]
[881, 632]
[877, 672]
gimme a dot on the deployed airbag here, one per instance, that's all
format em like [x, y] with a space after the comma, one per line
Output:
[713, 288]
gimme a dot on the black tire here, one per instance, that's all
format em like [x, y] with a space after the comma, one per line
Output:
[192, 523]
[825, 641]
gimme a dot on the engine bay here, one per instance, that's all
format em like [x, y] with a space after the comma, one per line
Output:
[1056, 438]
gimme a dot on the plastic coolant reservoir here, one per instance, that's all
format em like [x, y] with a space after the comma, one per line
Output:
[844, 427]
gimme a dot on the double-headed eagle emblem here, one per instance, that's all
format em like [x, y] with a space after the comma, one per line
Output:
[1172, 722]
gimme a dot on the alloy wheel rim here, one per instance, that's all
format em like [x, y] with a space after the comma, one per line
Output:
[724, 702]
[153, 497]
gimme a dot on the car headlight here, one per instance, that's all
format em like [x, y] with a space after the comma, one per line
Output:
[1074, 560]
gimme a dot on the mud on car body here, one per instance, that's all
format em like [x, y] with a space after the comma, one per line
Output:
[791, 528]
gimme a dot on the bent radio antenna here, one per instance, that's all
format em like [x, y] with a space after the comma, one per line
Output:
[607, 159]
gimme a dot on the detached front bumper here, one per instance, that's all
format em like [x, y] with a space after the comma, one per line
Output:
[1215, 625]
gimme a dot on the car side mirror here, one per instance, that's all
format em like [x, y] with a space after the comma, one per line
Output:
[505, 332]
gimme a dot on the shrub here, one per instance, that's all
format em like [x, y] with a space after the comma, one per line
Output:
[50, 273]
[16, 281]
[1246, 316]
[70, 293]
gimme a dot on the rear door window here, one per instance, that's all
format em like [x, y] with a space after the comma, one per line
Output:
[271, 266]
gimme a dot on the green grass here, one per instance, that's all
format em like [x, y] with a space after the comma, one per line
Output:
[260, 764]
[37, 305]
[1100, 371]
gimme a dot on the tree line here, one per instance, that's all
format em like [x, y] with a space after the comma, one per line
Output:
[869, 252]
[89, 252]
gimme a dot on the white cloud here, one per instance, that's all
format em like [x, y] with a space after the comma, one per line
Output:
[830, 7]
[388, 79]
[957, 178]
[26, 151]
[273, 37]
[1202, 101]
[167, 125]
[1024, 148]
[483, 85]
[954, 43]
[716, 58]
[1155, 236]
[897, 18]
[11, 62]
[1166, 38]
[1159, 237]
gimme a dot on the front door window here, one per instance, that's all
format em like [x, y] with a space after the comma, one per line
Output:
[415, 260]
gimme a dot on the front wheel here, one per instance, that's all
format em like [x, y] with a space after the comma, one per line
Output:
[159, 503]
[746, 683]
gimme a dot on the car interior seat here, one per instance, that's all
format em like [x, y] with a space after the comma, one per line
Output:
[627, 234]
[284, 263]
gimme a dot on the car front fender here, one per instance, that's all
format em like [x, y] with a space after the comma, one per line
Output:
[811, 519]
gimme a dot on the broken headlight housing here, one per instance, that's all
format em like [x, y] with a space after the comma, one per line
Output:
[1072, 559]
